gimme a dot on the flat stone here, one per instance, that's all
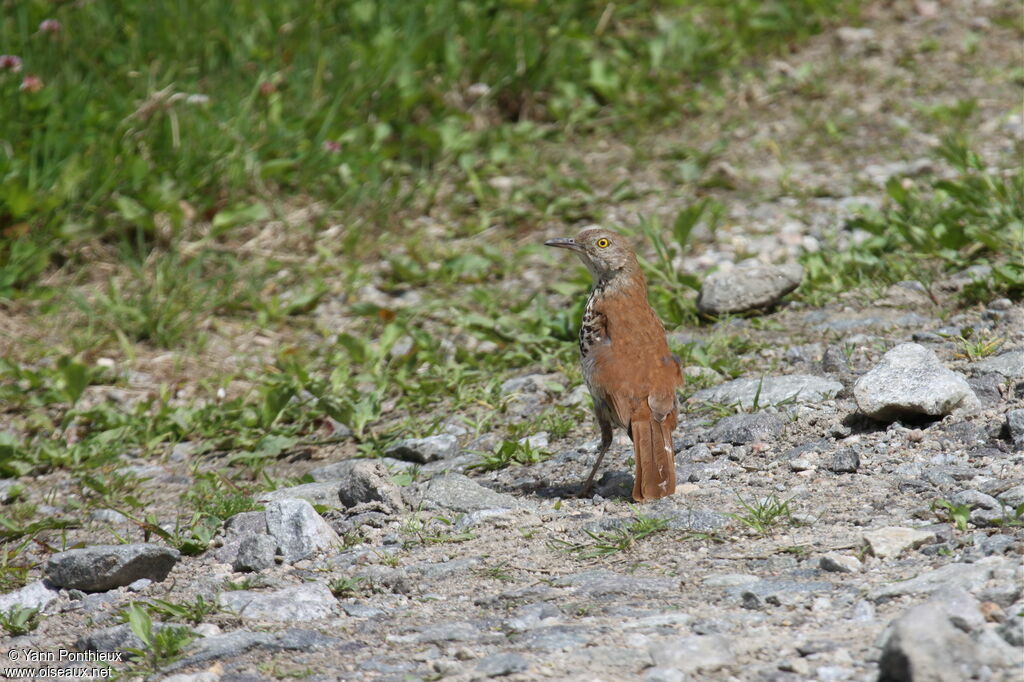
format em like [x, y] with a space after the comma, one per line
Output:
[600, 583]
[746, 428]
[113, 638]
[839, 563]
[800, 388]
[892, 541]
[459, 493]
[499, 665]
[255, 553]
[298, 530]
[36, 595]
[921, 644]
[236, 643]
[910, 381]
[729, 579]
[309, 601]
[460, 631]
[104, 567]
[704, 653]
[1010, 364]
[747, 288]
[424, 450]
[322, 494]
[969, 577]
[554, 638]
[362, 481]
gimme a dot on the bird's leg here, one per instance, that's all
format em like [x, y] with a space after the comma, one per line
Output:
[606, 442]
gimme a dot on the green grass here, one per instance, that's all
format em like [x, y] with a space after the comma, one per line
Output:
[763, 516]
[152, 116]
[932, 227]
[606, 543]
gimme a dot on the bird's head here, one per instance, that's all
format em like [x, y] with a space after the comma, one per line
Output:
[605, 253]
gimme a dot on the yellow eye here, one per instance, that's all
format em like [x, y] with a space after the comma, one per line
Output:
[603, 243]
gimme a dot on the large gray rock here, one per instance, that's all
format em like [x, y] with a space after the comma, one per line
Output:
[602, 583]
[1009, 364]
[309, 601]
[911, 382]
[362, 481]
[704, 653]
[424, 450]
[968, 577]
[747, 288]
[891, 541]
[325, 494]
[1015, 427]
[298, 529]
[801, 388]
[104, 567]
[255, 553]
[746, 428]
[37, 595]
[923, 646]
[232, 644]
[459, 493]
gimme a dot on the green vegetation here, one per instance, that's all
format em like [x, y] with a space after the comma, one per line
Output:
[975, 218]
[605, 543]
[161, 644]
[762, 516]
[19, 620]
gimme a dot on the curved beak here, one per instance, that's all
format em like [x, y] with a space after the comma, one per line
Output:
[564, 243]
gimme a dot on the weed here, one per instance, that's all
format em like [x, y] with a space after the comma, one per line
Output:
[976, 346]
[957, 514]
[346, 586]
[161, 644]
[19, 620]
[511, 452]
[604, 543]
[498, 571]
[194, 612]
[764, 515]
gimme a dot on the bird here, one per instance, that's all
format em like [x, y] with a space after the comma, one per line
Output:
[627, 365]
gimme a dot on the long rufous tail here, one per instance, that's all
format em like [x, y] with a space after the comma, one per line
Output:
[655, 464]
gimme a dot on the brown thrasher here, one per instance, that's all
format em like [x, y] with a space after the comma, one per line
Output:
[627, 365]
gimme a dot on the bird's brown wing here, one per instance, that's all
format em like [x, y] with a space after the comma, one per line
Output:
[636, 375]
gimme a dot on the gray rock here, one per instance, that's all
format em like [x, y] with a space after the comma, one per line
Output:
[746, 428]
[845, 461]
[309, 601]
[962, 609]
[459, 631]
[424, 450]
[969, 577]
[1015, 427]
[600, 583]
[104, 567]
[1009, 364]
[532, 616]
[323, 494]
[892, 541]
[839, 563]
[1012, 497]
[255, 553]
[555, 638]
[614, 485]
[696, 520]
[37, 595]
[362, 481]
[458, 493]
[747, 288]
[801, 388]
[237, 643]
[236, 529]
[298, 530]
[922, 644]
[974, 499]
[988, 388]
[498, 665]
[704, 653]
[777, 592]
[911, 382]
[659, 674]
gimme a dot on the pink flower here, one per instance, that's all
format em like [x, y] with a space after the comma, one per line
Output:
[8, 62]
[50, 26]
[267, 88]
[31, 84]
[332, 146]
